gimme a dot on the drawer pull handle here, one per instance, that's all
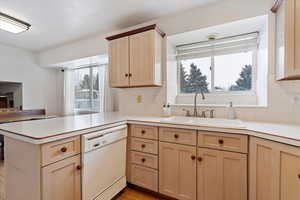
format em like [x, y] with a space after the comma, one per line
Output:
[78, 167]
[143, 145]
[64, 149]
[143, 132]
[193, 157]
[143, 160]
[176, 136]
[221, 141]
[200, 159]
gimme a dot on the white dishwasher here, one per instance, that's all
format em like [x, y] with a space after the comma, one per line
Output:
[104, 163]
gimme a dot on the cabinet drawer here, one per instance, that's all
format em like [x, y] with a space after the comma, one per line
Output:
[147, 132]
[144, 159]
[143, 145]
[221, 141]
[144, 177]
[55, 151]
[179, 136]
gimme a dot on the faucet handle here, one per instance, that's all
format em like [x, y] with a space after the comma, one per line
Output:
[203, 114]
[187, 112]
[211, 113]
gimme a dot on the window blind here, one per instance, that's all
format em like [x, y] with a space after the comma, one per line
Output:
[245, 42]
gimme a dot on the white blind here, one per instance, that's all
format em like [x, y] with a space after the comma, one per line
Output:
[228, 45]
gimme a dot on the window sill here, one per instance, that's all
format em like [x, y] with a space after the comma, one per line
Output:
[219, 105]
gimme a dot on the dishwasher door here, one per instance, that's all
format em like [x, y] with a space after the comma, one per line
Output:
[102, 168]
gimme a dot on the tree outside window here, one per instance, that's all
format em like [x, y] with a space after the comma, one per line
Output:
[231, 72]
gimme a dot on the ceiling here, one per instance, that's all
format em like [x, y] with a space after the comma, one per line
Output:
[255, 24]
[56, 22]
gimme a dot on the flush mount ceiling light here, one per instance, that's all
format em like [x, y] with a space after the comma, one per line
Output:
[12, 24]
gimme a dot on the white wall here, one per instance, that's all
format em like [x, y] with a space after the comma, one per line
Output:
[281, 107]
[39, 84]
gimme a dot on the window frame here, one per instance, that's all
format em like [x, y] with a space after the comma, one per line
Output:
[212, 89]
[91, 68]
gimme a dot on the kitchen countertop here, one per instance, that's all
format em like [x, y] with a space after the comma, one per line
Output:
[48, 130]
[25, 118]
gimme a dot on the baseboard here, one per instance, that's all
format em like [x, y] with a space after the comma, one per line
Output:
[150, 192]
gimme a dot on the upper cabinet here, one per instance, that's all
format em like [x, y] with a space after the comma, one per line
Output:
[135, 58]
[118, 51]
[287, 39]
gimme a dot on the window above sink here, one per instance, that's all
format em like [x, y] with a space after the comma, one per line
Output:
[228, 62]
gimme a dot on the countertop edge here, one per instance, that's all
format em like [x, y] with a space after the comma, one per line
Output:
[243, 131]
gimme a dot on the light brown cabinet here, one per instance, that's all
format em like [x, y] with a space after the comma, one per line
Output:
[177, 171]
[221, 175]
[62, 180]
[142, 158]
[223, 141]
[274, 171]
[46, 172]
[118, 52]
[144, 177]
[287, 39]
[135, 58]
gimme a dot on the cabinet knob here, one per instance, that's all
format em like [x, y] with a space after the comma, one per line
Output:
[298, 175]
[78, 167]
[143, 146]
[200, 159]
[126, 75]
[176, 136]
[221, 141]
[64, 149]
[130, 75]
[143, 132]
[193, 157]
[143, 160]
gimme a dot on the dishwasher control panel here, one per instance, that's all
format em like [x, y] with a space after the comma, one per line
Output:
[99, 139]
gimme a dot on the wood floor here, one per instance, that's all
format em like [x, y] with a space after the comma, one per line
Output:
[127, 194]
[131, 194]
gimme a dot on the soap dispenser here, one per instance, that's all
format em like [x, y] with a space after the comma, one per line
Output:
[231, 111]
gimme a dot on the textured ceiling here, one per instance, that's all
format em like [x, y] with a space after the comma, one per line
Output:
[56, 22]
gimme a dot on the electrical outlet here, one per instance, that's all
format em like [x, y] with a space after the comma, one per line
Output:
[139, 99]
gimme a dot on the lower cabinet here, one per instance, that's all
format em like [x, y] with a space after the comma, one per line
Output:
[274, 171]
[62, 180]
[144, 177]
[221, 175]
[177, 171]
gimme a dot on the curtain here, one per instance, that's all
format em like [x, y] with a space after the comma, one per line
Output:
[69, 92]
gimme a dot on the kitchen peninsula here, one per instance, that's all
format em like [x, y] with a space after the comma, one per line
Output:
[33, 146]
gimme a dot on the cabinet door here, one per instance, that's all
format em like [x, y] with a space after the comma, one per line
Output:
[118, 51]
[61, 180]
[287, 40]
[274, 171]
[221, 175]
[144, 65]
[209, 175]
[234, 174]
[263, 170]
[177, 171]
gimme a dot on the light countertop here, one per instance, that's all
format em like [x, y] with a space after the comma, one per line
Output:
[42, 131]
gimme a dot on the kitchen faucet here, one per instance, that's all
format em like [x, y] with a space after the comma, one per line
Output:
[195, 101]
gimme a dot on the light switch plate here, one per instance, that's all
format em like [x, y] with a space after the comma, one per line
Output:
[139, 99]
